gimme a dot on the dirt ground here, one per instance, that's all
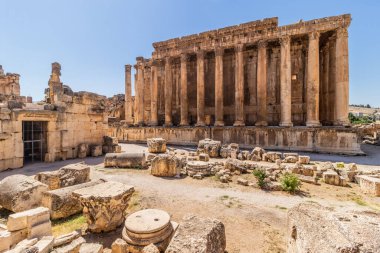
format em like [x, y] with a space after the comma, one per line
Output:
[255, 220]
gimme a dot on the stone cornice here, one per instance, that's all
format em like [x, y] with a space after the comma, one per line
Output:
[249, 33]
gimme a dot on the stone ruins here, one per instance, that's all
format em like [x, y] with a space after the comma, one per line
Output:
[282, 78]
[228, 111]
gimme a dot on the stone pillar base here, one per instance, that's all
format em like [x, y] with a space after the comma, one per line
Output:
[185, 123]
[153, 123]
[219, 123]
[168, 124]
[239, 123]
[261, 123]
[286, 124]
[313, 124]
[342, 123]
[200, 124]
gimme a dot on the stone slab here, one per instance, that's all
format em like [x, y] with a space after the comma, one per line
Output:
[147, 221]
[27, 218]
[369, 185]
[91, 248]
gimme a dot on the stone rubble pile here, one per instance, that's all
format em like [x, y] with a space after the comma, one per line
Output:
[30, 224]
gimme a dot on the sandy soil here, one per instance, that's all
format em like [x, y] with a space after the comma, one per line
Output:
[255, 220]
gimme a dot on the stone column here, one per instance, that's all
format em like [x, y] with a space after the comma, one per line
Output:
[139, 94]
[239, 86]
[184, 98]
[128, 95]
[262, 84]
[286, 83]
[312, 89]
[332, 82]
[154, 94]
[168, 92]
[219, 52]
[200, 89]
[342, 78]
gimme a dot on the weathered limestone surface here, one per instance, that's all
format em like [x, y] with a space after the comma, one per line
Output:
[369, 185]
[314, 228]
[71, 247]
[104, 205]
[62, 203]
[198, 235]
[156, 145]
[125, 160]
[72, 174]
[165, 165]
[20, 193]
[235, 165]
[325, 140]
[91, 248]
[210, 147]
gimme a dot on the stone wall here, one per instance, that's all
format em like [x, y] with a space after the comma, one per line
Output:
[324, 140]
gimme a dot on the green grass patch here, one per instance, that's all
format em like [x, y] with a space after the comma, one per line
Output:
[69, 224]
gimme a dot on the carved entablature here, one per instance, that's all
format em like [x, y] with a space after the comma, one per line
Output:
[248, 34]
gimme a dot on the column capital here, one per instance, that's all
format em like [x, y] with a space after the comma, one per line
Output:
[285, 40]
[128, 67]
[342, 32]
[262, 44]
[184, 57]
[239, 48]
[219, 51]
[200, 53]
[314, 35]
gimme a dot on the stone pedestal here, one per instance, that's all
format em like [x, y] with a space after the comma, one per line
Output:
[156, 145]
[149, 226]
[104, 205]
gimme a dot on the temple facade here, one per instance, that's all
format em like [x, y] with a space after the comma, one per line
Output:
[252, 74]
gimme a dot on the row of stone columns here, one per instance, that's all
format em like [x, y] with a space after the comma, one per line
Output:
[340, 54]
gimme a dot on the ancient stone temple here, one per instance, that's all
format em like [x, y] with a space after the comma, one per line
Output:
[278, 85]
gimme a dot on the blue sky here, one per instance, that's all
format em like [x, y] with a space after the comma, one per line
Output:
[94, 39]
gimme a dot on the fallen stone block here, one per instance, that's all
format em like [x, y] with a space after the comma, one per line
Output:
[308, 179]
[125, 160]
[204, 157]
[333, 178]
[20, 193]
[242, 181]
[151, 248]
[91, 248]
[72, 247]
[165, 165]
[62, 203]
[40, 230]
[104, 205]
[5, 240]
[156, 145]
[210, 147]
[271, 156]
[83, 150]
[257, 154]
[71, 174]
[314, 228]
[289, 159]
[196, 234]
[304, 159]
[45, 244]
[235, 165]
[65, 239]
[27, 218]
[369, 185]
[119, 246]
[96, 150]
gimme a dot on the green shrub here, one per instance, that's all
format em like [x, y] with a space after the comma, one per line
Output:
[260, 175]
[340, 165]
[290, 183]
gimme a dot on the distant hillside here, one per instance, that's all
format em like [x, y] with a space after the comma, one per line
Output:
[364, 110]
